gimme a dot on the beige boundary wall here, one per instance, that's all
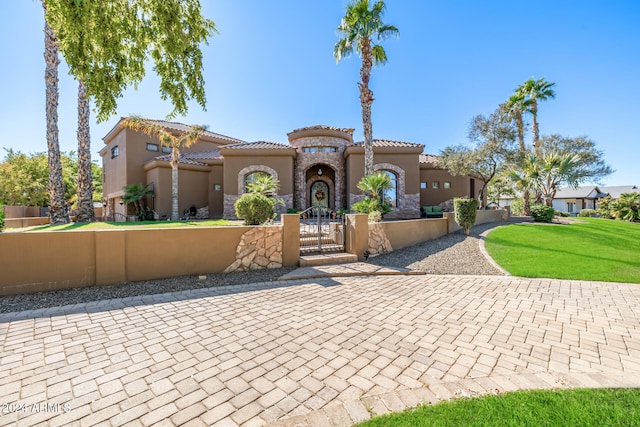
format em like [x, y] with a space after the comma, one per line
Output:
[33, 262]
[482, 217]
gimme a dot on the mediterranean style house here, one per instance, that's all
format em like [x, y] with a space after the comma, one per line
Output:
[321, 165]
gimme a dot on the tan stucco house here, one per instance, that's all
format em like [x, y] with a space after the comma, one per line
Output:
[320, 165]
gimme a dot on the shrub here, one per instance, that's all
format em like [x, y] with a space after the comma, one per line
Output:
[292, 211]
[542, 213]
[375, 216]
[366, 206]
[465, 212]
[1, 218]
[255, 208]
[562, 214]
[605, 207]
[627, 207]
[588, 213]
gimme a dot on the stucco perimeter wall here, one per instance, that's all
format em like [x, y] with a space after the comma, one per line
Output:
[410, 232]
[25, 222]
[33, 262]
[482, 217]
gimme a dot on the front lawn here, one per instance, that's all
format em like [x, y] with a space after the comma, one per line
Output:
[132, 225]
[561, 408]
[589, 249]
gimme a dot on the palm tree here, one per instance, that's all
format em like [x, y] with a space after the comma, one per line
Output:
[534, 91]
[516, 106]
[58, 206]
[135, 194]
[85, 182]
[361, 28]
[627, 207]
[169, 139]
[264, 184]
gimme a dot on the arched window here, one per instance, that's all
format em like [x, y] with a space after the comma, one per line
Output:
[390, 196]
[252, 177]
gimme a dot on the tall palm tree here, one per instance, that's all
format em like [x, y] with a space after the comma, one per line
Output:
[169, 139]
[516, 106]
[58, 206]
[534, 91]
[361, 29]
[85, 182]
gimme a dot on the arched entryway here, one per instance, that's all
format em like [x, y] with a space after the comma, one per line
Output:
[320, 186]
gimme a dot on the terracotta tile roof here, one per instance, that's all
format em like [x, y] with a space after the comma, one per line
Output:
[389, 143]
[346, 130]
[259, 145]
[203, 155]
[181, 127]
[428, 159]
[182, 159]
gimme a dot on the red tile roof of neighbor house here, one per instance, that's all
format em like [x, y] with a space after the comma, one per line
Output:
[389, 143]
[428, 159]
[181, 127]
[259, 145]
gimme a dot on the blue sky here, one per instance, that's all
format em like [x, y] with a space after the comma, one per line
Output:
[271, 70]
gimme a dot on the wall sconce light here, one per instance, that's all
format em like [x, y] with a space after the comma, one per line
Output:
[121, 202]
[319, 172]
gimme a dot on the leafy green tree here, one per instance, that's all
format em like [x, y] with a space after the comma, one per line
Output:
[106, 45]
[533, 91]
[168, 138]
[627, 207]
[361, 30]
[494, 139]
[592, 160]
[1, 218]
[24, 178]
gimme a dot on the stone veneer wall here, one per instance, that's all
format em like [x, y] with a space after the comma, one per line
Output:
[229, 210]
[378, 241]
[260, 247]
[306, 160]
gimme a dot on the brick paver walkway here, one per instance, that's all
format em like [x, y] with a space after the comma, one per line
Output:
[328, 351]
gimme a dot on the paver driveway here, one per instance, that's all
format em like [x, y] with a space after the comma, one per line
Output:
[317, 352]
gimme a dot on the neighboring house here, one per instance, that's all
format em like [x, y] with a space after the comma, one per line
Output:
[573, 200]
[616, 191]
[321, 165]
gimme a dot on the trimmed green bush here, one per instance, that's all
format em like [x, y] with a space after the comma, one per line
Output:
[375, 216]
[562, 214]
[542, 213]
[588, 213]
[255, 208]
[465, 212]
[1, 218]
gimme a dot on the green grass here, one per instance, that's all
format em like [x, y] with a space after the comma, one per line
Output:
[591, 249]
[131, 225]
[562, 408]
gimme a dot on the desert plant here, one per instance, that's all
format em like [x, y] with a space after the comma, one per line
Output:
[367, 206]
[465, 212]
[255, 208]
[588, 213]
[542, 213]
[605, 207]
[627, 207]
[375, 216]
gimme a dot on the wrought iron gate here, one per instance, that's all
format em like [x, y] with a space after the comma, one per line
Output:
[321, 231]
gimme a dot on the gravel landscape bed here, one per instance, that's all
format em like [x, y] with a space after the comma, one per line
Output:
[451, 254]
